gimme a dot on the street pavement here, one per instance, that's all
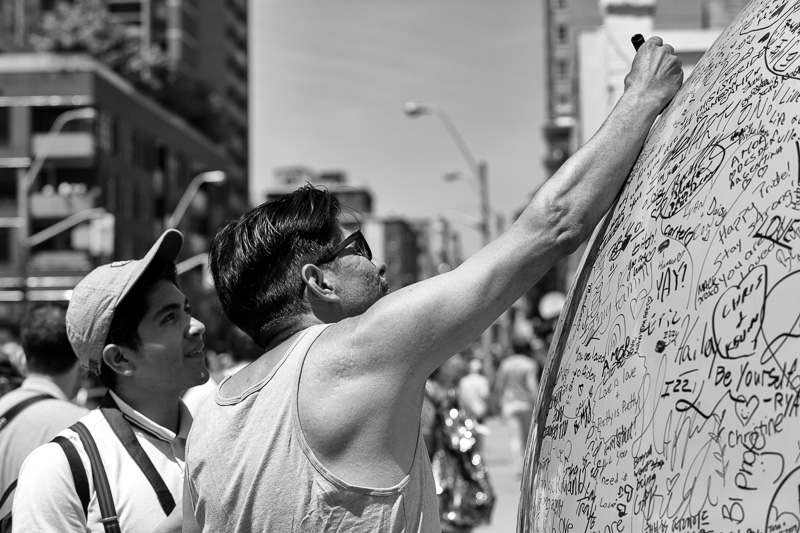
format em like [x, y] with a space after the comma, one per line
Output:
[497, 455]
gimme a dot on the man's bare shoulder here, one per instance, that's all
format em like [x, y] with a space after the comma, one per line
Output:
[345, 351]
[334, 345]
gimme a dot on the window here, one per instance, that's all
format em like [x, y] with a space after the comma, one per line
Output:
[111, 194]
[126, 144]
[107, 131]
[8, 186]
[136, 199]
[5, 126]
[144, 213]
[5, 245]
[43, 118]
[563, 68]
[563, 34]
[126, 197]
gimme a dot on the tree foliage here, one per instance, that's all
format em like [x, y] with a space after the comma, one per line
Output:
[87, 26]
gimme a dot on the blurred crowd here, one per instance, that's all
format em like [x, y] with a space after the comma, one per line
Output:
[42, 381]
[239, 351]
[460, 396]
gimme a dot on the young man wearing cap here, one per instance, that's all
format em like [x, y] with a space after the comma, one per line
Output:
[130, 323]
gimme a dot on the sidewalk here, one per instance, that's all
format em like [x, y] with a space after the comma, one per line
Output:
[501, 473]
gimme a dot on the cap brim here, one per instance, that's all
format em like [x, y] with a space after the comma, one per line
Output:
[167, 248]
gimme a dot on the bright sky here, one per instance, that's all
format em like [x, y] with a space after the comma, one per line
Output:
[328, 81]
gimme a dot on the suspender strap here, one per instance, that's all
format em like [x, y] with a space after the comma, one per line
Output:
[9, 415]
[125, 434]
[78, 471]
[8, 492]
[104, 497]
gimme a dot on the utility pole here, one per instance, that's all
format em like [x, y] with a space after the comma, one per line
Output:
[486, 210]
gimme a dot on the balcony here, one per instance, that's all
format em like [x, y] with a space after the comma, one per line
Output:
[68, 145]
[59, 206]
[60, 261]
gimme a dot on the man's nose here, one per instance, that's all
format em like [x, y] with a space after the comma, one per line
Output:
[380, 265]
[196, 327]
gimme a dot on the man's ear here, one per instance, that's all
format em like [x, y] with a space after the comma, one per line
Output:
[118, 359]
[318, 287]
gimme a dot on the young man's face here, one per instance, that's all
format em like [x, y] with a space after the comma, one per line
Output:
[170, 356]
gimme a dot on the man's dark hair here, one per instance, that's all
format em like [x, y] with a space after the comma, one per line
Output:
[131, 311]
[256, 259]
[44, 340]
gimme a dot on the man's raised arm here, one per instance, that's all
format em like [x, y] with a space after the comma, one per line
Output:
[420, 326]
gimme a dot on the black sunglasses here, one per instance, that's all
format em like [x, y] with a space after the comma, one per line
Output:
[360, 247]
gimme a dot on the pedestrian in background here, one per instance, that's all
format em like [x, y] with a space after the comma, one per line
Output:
[465, 494]
[54, 377]
[474, 391]
[516, 387]
[12, 358]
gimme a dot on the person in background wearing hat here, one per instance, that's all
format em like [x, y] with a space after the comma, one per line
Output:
[129, 323]
[54, 375]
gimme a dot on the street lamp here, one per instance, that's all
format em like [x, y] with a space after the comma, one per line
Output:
[193, 262]
[25, 182]
[479, 169]
[215, 176]
[67, 223]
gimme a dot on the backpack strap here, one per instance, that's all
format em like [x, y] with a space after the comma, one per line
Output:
[78, 471]
[104, 497]
[8, 492]
[125, 434]
[9, 415]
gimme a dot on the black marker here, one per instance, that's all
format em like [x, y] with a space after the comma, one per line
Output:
[637, 41]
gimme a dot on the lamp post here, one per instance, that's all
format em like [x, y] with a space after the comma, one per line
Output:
[67, 223]
[479, 169]
[25, 182]
[193, 262]
[215, 176]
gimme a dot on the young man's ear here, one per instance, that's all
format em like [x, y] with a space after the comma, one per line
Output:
[118, 359]
[317, 286]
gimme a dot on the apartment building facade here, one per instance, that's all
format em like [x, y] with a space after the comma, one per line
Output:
[130, 160]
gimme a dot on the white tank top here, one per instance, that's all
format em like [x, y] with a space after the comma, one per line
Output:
[250, 468]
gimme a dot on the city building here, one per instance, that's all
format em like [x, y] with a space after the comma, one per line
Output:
[565, 20]
[207, 42]
[122, 162]
[16, 21]
[588, 53]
